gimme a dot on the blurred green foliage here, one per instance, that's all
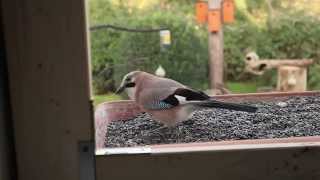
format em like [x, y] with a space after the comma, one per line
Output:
[272, 28]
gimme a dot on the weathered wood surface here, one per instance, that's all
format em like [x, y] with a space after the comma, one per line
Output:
[254, 66]
[258, 66]
[263, 164]
[49, 85]
[7, 164]
[216, 63]
[291, 78]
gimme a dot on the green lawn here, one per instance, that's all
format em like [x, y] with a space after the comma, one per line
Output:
[242, 87]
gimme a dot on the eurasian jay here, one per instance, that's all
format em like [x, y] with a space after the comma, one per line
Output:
[167, 101]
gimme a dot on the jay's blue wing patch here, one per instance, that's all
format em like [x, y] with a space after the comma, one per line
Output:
[174, 99]
[158, 105]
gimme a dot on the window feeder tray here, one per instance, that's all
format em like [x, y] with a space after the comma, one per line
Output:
[126, 109]
[284, 158]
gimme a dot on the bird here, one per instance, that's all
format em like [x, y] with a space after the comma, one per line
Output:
[168, 101]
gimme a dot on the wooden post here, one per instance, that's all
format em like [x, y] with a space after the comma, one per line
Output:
[7, 167]
[216, 50]
[292, 73]
[292, 78]
[49, 79]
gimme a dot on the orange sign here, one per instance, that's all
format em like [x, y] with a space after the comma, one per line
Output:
[202, 11]
[214, 19]
[228, 11]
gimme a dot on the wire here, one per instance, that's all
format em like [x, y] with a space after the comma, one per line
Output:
[108, 26]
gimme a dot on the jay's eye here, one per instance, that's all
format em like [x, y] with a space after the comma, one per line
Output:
[128, 79]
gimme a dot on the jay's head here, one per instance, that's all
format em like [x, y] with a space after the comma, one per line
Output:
[128, 81]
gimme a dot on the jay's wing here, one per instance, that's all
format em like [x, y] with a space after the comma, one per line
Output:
[182, 95]
[176, 97]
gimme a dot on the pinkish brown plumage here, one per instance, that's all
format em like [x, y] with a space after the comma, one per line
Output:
[167, 101]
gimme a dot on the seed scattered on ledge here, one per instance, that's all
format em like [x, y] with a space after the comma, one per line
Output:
[299, 117]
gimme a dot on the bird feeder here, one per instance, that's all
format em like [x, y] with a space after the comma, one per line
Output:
[202, 12]
[160, 71]
[228, 11]
[292, 73]
[165, 39]
[214, 20]
[290, 158]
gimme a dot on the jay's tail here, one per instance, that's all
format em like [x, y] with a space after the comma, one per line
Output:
[227, 105]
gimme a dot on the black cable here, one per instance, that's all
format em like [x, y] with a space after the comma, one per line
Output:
[106, 26]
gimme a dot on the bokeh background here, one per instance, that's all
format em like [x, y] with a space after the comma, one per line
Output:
[272, 28]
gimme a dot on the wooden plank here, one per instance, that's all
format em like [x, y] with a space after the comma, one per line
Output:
[7, 161]
[264, 164]
[292, 78]
[285, 62]
[258, 66]
[49, 84]
[211, 146]
[216, 52]
[216, 58]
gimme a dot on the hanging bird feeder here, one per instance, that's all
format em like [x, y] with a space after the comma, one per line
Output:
[228, 11]
[202, 12]
[165, 39]
[214, 19]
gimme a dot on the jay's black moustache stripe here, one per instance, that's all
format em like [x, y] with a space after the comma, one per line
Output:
[132, 84]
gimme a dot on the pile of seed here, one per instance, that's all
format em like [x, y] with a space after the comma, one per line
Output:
[296, 116]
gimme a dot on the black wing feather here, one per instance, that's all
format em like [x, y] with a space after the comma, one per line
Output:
[171, 100]
[189, 94]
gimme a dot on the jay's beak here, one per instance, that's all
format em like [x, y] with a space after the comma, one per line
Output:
[120, 89]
